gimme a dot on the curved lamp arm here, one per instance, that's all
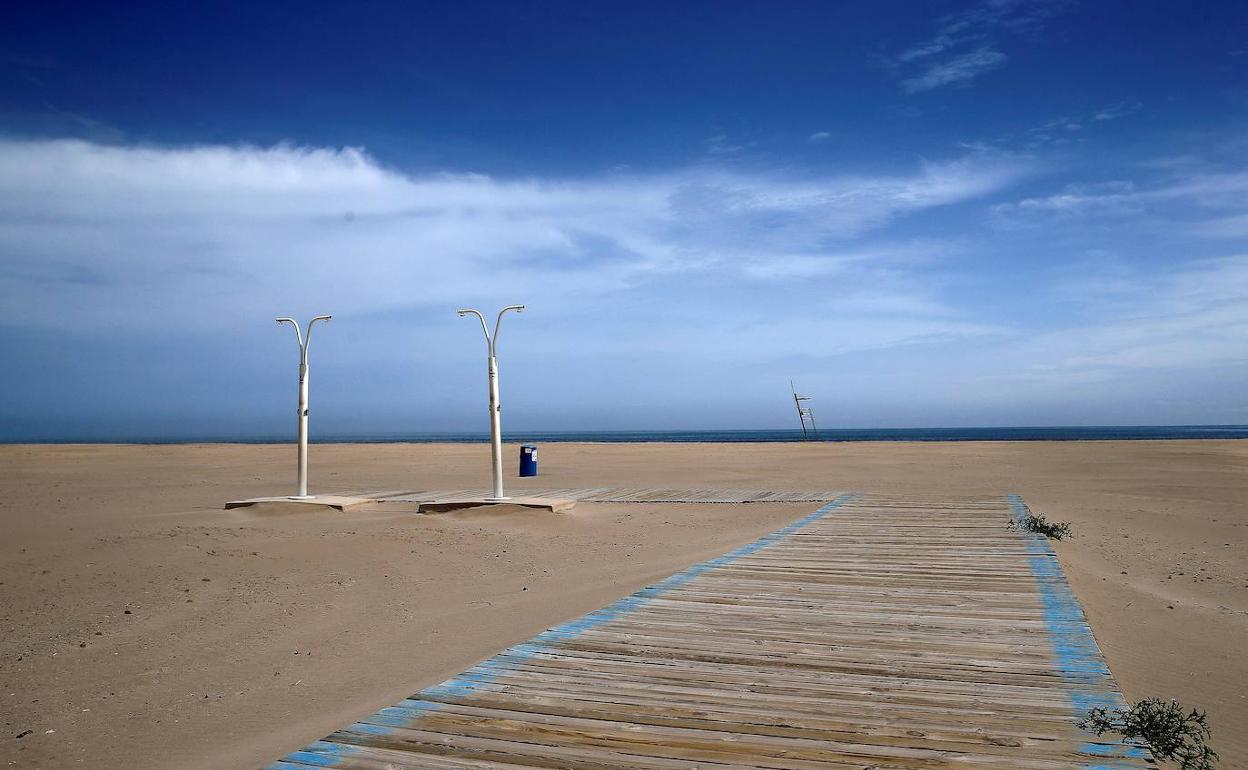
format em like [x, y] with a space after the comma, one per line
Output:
[298, 333]
[484, 330]
[308, 341]
[498, 321]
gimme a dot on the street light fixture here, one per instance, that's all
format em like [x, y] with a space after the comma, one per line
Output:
[303, 400]
[496, 432]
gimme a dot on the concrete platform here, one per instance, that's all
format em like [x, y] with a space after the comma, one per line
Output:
[337, 502]
[552, 504]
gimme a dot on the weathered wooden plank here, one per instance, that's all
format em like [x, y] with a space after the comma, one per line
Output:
[857, 637]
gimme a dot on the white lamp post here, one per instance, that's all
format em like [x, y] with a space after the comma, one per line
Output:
[303, 400]
[496, 432]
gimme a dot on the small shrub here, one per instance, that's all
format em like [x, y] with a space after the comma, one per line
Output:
[1037, 523]
[1164, 727]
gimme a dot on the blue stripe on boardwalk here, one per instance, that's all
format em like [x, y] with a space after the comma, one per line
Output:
[321, 754]
[482, 675]
[1114, 750]
[1079, 659]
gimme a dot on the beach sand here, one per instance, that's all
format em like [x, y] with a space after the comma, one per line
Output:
[144, 626]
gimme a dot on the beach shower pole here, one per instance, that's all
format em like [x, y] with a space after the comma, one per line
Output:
[496, 431]
[303, 339]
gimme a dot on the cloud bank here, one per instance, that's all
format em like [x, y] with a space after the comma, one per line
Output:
[138, 280]
[131, 236]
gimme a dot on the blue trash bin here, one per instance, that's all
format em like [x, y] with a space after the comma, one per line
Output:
[528, 460]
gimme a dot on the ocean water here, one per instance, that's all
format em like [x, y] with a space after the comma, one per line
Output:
[840, 434]
[1079, 433]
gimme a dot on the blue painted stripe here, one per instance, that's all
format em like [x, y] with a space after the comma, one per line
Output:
[321, 754]
[370, 729]
[1079, 660]
[483, 676]
[1114, 750]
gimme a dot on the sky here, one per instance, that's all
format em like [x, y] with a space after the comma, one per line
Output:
[1008, 212]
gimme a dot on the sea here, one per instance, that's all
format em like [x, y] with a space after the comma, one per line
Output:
[1068, 433]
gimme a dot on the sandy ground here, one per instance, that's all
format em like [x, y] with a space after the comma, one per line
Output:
[143, 626]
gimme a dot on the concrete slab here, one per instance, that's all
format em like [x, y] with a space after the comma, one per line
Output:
[552, 504]
[337, 502]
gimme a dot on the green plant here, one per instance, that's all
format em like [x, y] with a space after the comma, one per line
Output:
[1169, 732]
[1037, 523]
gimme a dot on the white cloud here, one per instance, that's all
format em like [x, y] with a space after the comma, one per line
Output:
[966, 45]
[1069, 129]
[840, 334]
[1176, 198]
[719, 144]
[1217, 190]
[1117, 197]
[1190, 316]
[885, 255]
[131, 237]
[960, 69]
[1063, 123]
[819, 136]
[802, 266]
[1119, 110]
[1223, 227]
[939, 44]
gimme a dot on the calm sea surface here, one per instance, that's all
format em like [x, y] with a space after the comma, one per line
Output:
[1116, 433]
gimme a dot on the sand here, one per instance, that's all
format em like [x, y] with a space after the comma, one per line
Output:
[144, 627]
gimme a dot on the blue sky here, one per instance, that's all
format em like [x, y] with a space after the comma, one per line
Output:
[993, 213]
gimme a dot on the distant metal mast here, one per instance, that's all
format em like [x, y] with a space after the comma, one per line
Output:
[804, 413]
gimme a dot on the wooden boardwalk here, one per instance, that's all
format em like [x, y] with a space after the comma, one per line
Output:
[610, 495]
[878, 632]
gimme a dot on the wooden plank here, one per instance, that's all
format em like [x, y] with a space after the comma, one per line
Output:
[859, 636]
